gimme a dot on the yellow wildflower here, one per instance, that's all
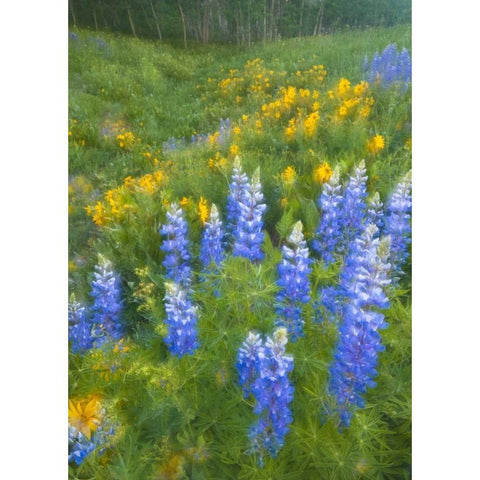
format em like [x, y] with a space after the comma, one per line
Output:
[408, 144]
[97, 213]
[238, 99]
[203, 210]
[236, 130]
[375, 144]
[234, 150]
[85, 415]
[365, 111]
[342, 111]
[244, 118]
[69, 133]
[343, 87]
[258, 124]
[322, 173]
[146, 183]
[184, 201]
[331, 95]
[360, 88]
[291, 129]
[284, 202]
[129, 181]
[310, 123]
[288, 175]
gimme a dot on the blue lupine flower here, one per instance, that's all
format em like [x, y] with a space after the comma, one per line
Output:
[354, 206]
[363, 281]
[332, 298]
[211, 250]
[247, 361]
[329, 232]
[375, 212]
[397, 224]
[181, 321]
[79, 446]
[79, 327]
[238, 187]
[107, 305]
[175, 246]
[273, 393]
[389, 67]
[293, 272]
[224, 131]
[248, 232]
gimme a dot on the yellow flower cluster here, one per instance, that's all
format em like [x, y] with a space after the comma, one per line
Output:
[322, 173]
[310, 123]
[109, 365]
[375, 144]
[351, 101]
[217, 162]
[255, 78]
[125, 140]
[118, 201]
[203, 210]
[288, 175]
[85, 415]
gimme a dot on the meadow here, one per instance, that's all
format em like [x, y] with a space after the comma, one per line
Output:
[239, 258]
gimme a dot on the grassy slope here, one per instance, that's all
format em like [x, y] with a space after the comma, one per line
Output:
[152, 87]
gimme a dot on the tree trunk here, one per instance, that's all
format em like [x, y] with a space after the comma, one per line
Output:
[73, 14]
[183, 25]
[132, 26]
[301, 19]
[318, 24]
[157, 26]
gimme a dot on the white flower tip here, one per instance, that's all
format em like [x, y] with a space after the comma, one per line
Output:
[296, 236]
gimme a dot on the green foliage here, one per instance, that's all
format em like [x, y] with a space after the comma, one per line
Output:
[186, 418]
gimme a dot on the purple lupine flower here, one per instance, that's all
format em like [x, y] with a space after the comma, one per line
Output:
[181, 321]
[248, 233]
[176, 247]
[375, 212]
[397, 224]
[79, 327]
[247, 361]
[238, 187]
[273, 393]
[293, 272]
[354, 206]
[211, 250]
[363, 280]
[107, 305]
[389, 67]
[329, 231]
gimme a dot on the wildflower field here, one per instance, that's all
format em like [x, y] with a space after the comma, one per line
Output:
[239, 258]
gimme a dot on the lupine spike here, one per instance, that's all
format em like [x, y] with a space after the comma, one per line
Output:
[265, 370]
[79, 327]
[354, 206]
[390, 67]
[181, 321]
[238, 187]
[176, 247]
[328, 241]
[248, 234]
[107, 306]
[397, 224]
[375, 212]
[211, 250]
[364, 279]
[293, 280]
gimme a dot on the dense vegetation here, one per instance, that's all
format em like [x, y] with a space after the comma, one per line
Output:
[169, 325]
[237, 21]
